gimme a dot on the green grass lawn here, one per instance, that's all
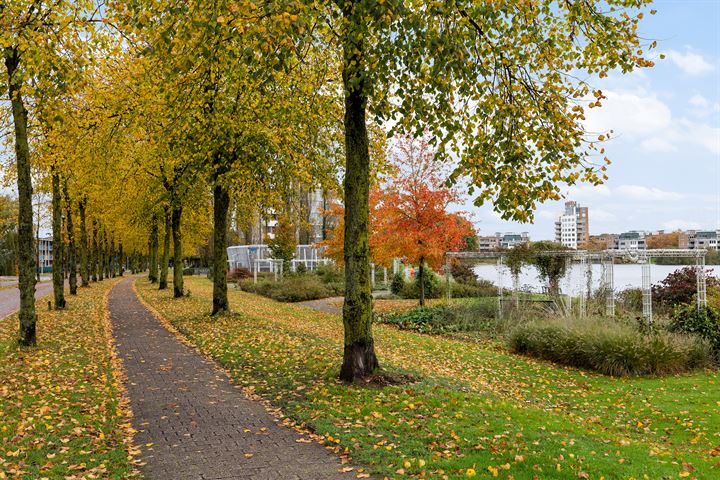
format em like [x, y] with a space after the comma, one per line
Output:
[475, 408]
[61, 415]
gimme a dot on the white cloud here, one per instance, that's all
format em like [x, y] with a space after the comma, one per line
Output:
[584, 192]
[677, 224]
[690, 62]
[647, 122]
[702, 134]
[701, 107]
[657, 145]
[639, 192]
[600, 215]
[698, 100]
[629, 113]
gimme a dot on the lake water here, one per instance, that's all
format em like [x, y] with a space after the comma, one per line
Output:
[625, 276]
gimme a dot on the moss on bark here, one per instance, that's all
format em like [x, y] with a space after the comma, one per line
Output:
[359, 359]
[26, 244]
[220, 213]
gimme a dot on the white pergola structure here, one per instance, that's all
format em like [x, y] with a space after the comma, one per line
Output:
[586, 259]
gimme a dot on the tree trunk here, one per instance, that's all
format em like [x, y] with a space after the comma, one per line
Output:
[101, 254]
[153, 244]
[178, 288]
[421, 281]
[26, 251]
[359, 359]
[112, 257]
[57, 268]
[94, 254]
[122, 262]
[221, 205]
[162, 284]
[71, 251]
[84, 263]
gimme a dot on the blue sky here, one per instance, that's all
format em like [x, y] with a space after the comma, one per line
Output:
[666, 147]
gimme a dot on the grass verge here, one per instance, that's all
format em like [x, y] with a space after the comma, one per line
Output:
[62, 412]
[476, 411]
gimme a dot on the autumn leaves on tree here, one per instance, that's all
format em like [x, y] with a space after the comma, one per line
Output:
[157, 116]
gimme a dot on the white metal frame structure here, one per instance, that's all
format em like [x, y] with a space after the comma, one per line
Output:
[607, 260]
[267, 265]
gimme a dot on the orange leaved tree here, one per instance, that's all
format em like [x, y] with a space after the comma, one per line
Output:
[414, 209]
[409, 216]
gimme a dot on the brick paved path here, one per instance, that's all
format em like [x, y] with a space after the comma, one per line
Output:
[194, 418]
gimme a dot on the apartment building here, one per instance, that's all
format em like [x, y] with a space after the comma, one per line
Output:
[700, 239]
[503, 241]
[45, 254]
[633, 240]
[572, 228]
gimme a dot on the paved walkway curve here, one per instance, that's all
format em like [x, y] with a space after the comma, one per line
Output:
[10, 298]
[200, 426]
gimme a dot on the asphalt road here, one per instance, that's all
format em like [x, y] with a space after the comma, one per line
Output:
[10, 298]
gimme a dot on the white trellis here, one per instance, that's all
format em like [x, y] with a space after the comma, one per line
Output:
[607, 261]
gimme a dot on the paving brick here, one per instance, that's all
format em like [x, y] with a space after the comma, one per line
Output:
[193, 417]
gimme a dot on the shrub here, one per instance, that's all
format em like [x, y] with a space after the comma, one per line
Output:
[631, 299]
[397, 284]
[237, 274]
[610, 348]
[462, 273]
[433, 286]
[475, 316]
[679, 287]
[298, 288]
[481, 288]
[330, 273]
[703, 323]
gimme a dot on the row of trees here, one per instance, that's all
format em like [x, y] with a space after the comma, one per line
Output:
[152, 114]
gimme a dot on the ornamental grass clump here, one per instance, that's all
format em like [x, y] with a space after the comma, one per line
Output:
[610, 347]
[293, 288]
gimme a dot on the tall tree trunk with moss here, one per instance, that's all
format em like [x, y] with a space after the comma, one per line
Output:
[122, 262]
[153, 250]
[70, 233]
[164, 265]
[178, 287]
[111, 258]
[26, 245]
[359, 359]
[57, 270]
[84, 263]
[94, 254]
[101, 254]
[221, 204]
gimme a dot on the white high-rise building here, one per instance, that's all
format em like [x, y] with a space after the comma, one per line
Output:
[572, 227]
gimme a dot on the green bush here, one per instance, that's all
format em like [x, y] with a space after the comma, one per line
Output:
[330, 274]
[398, 284]
[433, 286]
[296, 288]
[610, 348]
[481, 288]
[463, 273]
[703, 323]
[471, 316]
[631, 299]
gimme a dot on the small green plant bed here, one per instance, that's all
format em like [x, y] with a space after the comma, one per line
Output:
[436, 287]
[294, 287]
[610, 347]
[471, 315]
